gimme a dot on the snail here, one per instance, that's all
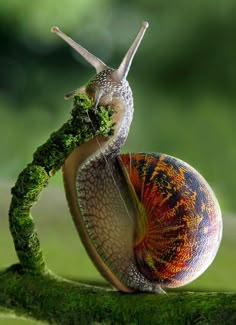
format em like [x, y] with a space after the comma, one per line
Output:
[147, 220]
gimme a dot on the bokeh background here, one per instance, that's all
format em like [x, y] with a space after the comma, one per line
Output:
[183, 79]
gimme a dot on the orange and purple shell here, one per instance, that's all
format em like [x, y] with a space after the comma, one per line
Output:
[179, 227]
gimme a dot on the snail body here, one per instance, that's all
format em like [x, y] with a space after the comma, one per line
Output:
[146, 220]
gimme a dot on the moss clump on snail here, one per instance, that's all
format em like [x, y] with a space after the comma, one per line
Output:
[47, 159]
[73, 133]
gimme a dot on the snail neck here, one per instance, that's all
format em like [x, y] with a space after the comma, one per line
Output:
[118, 95]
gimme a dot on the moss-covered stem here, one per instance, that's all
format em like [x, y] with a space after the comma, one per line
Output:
[47, 159]
[58, 301]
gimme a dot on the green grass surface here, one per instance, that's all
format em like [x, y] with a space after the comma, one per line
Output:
[6, 319]
[66, 256]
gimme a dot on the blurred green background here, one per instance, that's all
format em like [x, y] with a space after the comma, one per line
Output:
[183, 79]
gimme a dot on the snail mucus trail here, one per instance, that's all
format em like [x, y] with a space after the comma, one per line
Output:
[147, 220]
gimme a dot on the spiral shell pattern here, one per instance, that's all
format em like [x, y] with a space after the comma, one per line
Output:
[179, 225]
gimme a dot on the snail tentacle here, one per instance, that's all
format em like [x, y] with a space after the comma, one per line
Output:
[89, 57]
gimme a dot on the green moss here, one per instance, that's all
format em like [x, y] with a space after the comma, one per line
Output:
[58, 301]
[84, 124]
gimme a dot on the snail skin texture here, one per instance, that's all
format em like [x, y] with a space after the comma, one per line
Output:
[147, 220]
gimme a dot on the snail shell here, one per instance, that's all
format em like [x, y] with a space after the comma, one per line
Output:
[178, 231]
[146, 220]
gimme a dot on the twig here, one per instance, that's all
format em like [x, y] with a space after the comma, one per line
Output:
[47, 159]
